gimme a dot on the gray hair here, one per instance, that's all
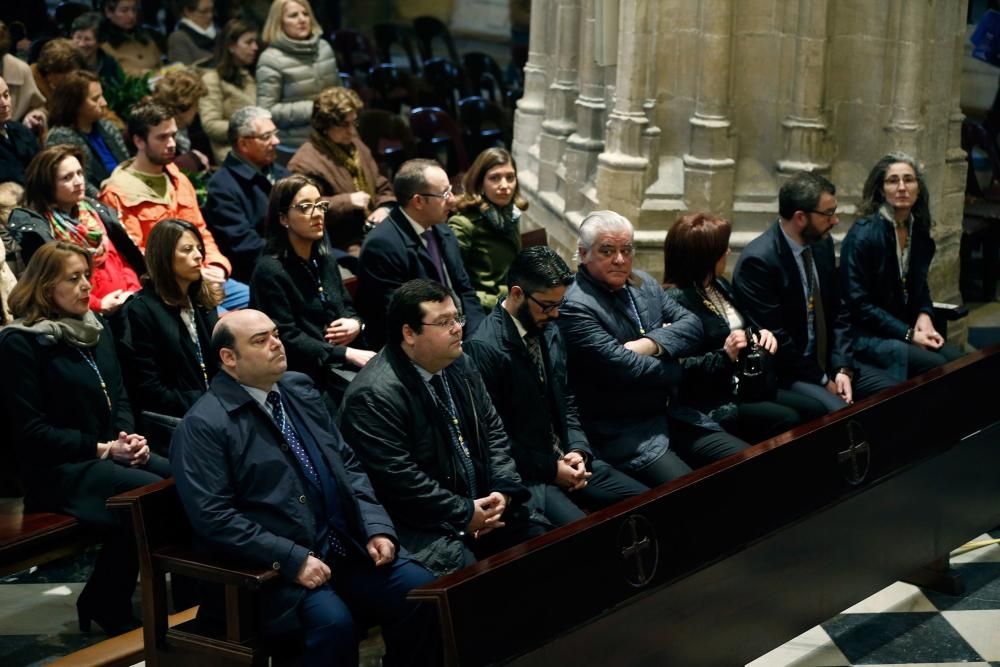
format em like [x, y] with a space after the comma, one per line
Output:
[602, 222]
[241, 123]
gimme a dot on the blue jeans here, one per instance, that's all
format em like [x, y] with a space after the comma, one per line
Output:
[237, 296]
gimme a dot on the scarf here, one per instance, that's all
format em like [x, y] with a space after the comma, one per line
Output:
[347, 157]
[502, 218]
[302, 48]
[76, 331]
[86, 230]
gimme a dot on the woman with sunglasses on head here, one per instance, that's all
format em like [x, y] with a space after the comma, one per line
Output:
[694, 255]
[337, 159]
[486, 225]
[297, 284]
[165, 350]
[884, 262]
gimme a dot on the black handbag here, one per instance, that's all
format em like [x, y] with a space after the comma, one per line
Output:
[756, 377]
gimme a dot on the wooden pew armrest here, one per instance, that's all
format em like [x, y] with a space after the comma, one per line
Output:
[950, 312]
[206, 568]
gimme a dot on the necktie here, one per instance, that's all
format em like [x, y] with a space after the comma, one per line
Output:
[814, 306]
[292, 438]
[434, 250]
[535, 352]
[445, 402]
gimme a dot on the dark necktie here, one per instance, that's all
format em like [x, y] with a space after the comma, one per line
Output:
[434, 250]
[445, 403]
[814, 305]
[534, 345]
[292, 438]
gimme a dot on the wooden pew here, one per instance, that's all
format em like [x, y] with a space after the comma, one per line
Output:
[721, 566]
[36, 538]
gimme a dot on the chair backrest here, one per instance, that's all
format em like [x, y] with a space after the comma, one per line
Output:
[444, 85]
[389, 35]
[355, 54]
[483, 123]
[389, 138]
[483, 74]
[428, 29]
[389, 86]
[438, 138]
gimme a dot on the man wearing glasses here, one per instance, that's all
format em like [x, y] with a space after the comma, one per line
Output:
[786, 281]
[522, 359]
[421, 421]
[238, 192]
[624, 338]
[414, 242]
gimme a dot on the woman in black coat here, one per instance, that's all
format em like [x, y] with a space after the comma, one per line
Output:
[68, 419]
[297, 283]
[694, 255]
[169, 325]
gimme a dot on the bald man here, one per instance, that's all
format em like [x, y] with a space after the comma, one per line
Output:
[266, 478]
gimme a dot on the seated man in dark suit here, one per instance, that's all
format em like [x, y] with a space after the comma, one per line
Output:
[786, 280]
[422, 423]
[265, 478]
[522, 359]
[413, 241]
[624, 338]
[237, 193]
[17, 144]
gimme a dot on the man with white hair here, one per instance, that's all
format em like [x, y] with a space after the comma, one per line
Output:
[624, 338]
[238, 192]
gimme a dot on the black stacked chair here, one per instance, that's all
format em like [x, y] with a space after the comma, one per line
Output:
[443, 85]
[388, 137]
[484, 124]
[484, 77]
[428, 30]
[439, 138]
[390, 87]
[355, 54]
[389, 36]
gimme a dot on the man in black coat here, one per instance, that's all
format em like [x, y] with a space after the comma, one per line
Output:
[237, 194]
[422, 423]
[265, 478]
[413, 242]
[17, 144]
[522, 359]
[786, 281]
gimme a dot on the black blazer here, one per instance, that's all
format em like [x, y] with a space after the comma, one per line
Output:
[246, 495]
[521, 400]
[768, 288]
[869, 278]
[393, 254]
[160, 359]
[16, 152]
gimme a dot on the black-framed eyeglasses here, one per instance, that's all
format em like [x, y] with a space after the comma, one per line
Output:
[307, 207]
[450, 323]
[443, 195]
[829, 215]
[547, 308]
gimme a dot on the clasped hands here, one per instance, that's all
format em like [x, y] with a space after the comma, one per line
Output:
[129, 449]
[925, 335]
[571, 472]
[314, 572]
[487, 513]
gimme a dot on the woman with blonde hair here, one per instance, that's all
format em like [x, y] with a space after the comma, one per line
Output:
[296, 65]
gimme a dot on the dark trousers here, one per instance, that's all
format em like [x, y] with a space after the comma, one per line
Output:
[760, 420]
[919, 360]
[867, 381]
[605, 487]
[361, 591]
[690, 447]
[518, 527]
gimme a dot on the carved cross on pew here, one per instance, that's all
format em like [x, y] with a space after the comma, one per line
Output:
[639, 549]
[856, 459]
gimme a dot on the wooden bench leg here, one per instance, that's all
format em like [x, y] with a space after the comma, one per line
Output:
[938, 576]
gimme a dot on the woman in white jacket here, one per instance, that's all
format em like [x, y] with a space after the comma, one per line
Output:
[296, 65]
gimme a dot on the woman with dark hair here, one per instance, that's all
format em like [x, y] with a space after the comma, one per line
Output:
[60, 210]
[349, 179]
[230, 85]
[83, 32]
[884, 262]
[169, 323]
[69, 421]
[194, 39]
[298, 285]
[486, 224]
[694, 255]
[77, 116]
[136, 49]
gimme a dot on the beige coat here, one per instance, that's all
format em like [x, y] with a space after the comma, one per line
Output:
[135, 58]
[219, 104]
[24, 93]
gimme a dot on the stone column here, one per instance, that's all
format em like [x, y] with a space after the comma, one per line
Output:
[531, 107]
[621, 168]
[805, 127]
[903, 130]
[584, 145]
[560, 113]
[709, 166]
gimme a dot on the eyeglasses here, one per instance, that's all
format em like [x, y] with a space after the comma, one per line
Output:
[547, 308]
[307, 207]
[267, 136]
[894, 181]
[609, 251]
[450, 323]
[443, 195]
[829, 215]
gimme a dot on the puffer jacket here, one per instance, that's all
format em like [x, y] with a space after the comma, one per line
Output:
[290, 73]
[219, 104]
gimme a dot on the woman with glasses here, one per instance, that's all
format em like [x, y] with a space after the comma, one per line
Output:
[694, 255]
[486, 225]
[297, 284]
[884, 262]
[165, 350]
[230, 85]
[337, 159]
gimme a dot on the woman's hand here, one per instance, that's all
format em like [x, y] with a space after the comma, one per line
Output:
[735, 341]
[112, 301]
[360, 199]
[213, 274]
[377, 216]
[358, 357]
[342, 331]
[766, 340]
